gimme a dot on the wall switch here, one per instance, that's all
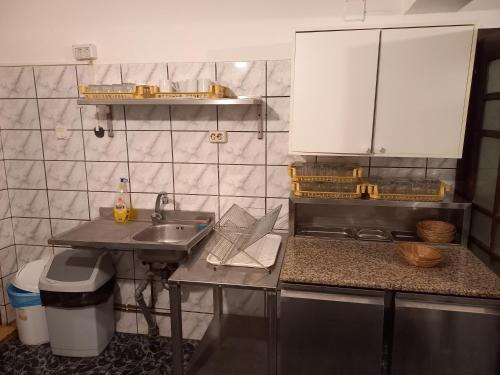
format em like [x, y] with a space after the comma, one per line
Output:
[85, 51]
[61, 132]
[217, 136]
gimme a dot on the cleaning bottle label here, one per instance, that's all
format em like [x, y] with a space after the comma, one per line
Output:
[121, 211]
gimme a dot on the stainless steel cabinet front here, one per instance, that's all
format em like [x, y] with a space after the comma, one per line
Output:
[436, 335]
[332, 331]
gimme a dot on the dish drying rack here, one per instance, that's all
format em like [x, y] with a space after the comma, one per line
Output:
[237, 230]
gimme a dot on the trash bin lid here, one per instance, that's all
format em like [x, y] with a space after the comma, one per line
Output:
[77, 270]
[72, 265]
[28, 276]
[21, 298]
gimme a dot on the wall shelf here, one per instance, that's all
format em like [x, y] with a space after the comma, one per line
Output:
[180, 101]
[172, 101]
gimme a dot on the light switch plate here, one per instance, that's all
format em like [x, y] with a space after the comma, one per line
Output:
[85, 51]
[61, 132]
[217, 136]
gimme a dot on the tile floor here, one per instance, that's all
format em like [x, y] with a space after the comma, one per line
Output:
[126, 354]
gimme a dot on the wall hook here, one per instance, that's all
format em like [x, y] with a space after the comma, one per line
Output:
[104, 120]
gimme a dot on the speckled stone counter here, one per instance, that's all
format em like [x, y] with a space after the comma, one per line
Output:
[377, 265]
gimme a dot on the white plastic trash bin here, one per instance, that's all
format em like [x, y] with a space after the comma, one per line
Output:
[76, 289]
[24, 295]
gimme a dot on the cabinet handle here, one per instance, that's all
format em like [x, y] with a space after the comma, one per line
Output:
[381, 150]
[448, 307]
[369, 150]
[332, 297]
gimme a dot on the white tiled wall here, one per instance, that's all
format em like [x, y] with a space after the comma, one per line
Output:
[54, 184]
[8, 258]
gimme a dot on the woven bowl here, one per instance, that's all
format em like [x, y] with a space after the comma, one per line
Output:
[420, 255]
[436, 231]
[433, 237]
[436, 226]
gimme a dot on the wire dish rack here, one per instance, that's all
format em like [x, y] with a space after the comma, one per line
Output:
[237, 230]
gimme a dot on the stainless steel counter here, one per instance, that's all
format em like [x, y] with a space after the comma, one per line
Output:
[211, 356]
[104, 233]
[198, 271]
[380, 214]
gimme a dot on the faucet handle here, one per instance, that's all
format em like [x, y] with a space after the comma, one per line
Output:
[164, 197]
[156, 216]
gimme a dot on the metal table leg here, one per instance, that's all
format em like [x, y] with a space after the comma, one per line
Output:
[218, 310]
[218, 304]
[272, 343]
[176, 327]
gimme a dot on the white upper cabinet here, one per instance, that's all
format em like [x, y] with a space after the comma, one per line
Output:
[422, 94]
[333, 94]
[411, 100]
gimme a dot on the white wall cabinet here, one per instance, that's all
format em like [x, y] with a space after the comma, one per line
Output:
[334, 91]
[422, 91]
[391, 92]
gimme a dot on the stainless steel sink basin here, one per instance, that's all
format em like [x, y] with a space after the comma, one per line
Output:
[168, 233]
[172, 238]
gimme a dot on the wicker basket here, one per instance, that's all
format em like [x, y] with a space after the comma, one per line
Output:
[420, 255]
[436, 231]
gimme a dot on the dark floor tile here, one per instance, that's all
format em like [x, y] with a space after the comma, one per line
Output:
[125, 355]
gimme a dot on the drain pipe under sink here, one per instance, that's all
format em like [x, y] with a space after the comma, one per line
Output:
[164, 271]
[153, 329]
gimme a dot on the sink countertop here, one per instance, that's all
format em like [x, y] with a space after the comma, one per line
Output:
[378, 265]
[104, 233]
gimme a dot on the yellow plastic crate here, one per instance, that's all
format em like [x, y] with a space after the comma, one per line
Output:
[215, 92]
[140, 92]
[323, 172]
[435, 194]
[326, 189]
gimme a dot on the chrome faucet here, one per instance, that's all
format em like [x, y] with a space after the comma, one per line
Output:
[161, 199]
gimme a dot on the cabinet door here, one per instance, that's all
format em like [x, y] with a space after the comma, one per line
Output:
[423, 88]
[439, 335]
[331, 332]
[333, 95]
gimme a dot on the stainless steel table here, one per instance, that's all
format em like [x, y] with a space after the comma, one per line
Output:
[230, 341]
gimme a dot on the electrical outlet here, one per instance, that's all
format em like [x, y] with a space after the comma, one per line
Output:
[216, 136]
[85, 51]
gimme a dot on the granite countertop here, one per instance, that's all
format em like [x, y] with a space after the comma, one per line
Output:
[378, 265]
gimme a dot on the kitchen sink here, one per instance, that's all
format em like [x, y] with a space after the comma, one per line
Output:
[168, 233]
[177, 238]
[162, 235]
[171, 238]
